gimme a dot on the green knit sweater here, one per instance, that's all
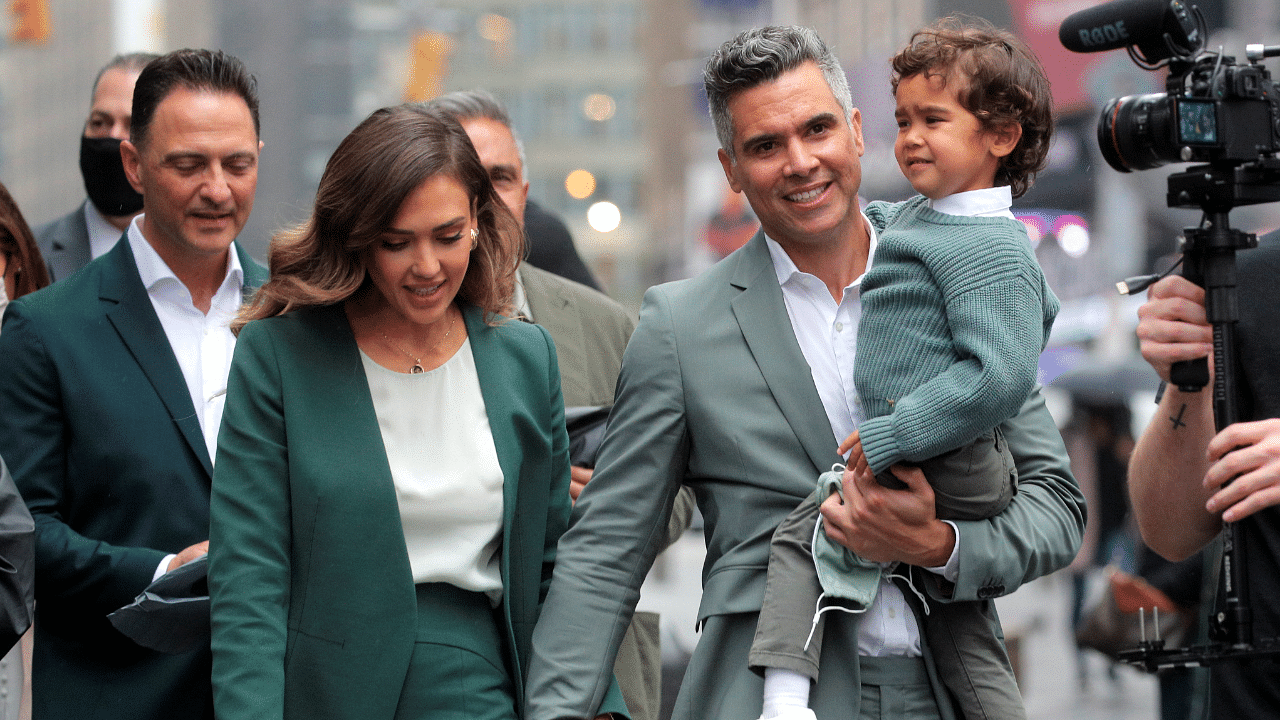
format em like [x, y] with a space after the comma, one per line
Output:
[955, 312]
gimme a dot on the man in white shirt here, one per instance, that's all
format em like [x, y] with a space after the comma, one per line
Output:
[113, 390]
[71, 241]
[735, 383]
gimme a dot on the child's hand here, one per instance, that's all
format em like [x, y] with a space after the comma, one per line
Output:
[855, 461]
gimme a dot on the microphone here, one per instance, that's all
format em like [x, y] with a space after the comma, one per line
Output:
[1141, 23]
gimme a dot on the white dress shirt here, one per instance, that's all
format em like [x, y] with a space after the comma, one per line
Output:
[203, 344]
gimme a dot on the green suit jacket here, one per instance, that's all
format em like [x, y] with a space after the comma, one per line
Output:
[715, 395]
[313, 605]
[100, 434]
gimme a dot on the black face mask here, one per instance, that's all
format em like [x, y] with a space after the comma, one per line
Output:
[104, 179]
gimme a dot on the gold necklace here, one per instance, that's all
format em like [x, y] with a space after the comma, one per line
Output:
[417, 361]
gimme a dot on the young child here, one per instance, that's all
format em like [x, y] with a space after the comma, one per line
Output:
[955, 313]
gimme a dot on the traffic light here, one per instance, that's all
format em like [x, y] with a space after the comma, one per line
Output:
[31, 21]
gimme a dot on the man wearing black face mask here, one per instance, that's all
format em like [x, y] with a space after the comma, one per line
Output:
[90, 230]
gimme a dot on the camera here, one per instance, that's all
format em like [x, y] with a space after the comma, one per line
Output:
[1225, 116]
[1215, 112]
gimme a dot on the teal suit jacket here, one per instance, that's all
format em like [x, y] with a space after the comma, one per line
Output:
[100, 434]
[716, 395]
[313, 605]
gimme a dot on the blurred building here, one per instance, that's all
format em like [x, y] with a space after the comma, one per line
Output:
[585, 86]
[607, 95]
[301, 53]
[46, 83]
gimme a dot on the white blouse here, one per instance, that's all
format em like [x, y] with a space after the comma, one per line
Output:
[445, 469]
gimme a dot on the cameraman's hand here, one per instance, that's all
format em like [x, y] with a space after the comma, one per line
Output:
[1249, 452]
[1172, 325]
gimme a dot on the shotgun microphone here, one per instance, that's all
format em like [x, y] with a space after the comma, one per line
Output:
[1142, 23]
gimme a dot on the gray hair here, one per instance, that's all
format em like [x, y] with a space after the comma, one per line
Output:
[762, 55]
[464, 105]
[129, 62]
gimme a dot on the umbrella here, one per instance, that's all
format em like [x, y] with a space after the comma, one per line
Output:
[172, 614]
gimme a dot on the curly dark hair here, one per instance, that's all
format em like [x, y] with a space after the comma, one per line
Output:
[1003, 80]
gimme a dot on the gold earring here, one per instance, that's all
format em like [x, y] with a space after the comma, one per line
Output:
[475, 238]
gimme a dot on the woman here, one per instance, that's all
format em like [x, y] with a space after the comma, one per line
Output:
[23, 269]
[392, 471]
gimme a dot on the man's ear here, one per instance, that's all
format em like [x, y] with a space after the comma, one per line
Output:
[1005, 138]
[855, 127]
[728, 166]
[132, 161]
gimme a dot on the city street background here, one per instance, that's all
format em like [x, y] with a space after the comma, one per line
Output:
[608, 100]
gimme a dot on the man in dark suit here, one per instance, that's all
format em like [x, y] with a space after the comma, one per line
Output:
[113, 386]
[93, 228]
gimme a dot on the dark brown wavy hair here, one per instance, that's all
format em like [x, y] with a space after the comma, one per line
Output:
[1003, 83]
[323, 261]
[19, 246]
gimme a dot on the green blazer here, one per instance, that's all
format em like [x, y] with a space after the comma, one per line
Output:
[313, 605]
[715, 394]
[102, 440]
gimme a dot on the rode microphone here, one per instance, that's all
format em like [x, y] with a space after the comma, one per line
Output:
[1160, 29]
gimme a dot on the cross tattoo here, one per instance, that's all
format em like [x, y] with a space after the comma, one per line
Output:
[1177, 421]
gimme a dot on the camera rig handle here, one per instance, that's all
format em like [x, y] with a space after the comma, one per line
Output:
[1209, 260]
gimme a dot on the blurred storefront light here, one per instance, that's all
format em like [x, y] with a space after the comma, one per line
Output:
[604, 217]
[580, 184]
[1035, 228]
[495, 28]
[1073, 235]
[599, 107]
[1070, 231]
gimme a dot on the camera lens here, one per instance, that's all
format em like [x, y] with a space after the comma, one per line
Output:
[1139, 132]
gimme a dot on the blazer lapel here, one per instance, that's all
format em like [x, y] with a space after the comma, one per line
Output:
[254, 273]
[766, 327]
[72, 252]
[555, 311]
[129, 309]
[495, 387]
[520, 570]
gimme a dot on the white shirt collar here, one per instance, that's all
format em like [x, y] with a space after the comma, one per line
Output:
[155, 272]
[102, 235]
[786, 269]
[987, 202]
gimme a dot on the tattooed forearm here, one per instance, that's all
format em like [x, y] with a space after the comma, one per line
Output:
[1177, 421]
